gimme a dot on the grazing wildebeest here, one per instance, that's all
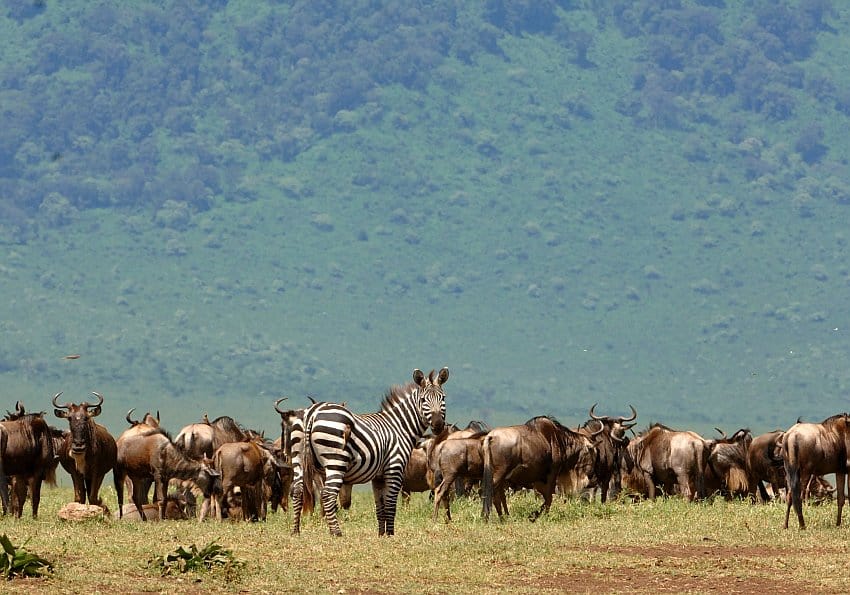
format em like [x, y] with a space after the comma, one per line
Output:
[765, 465]
[669, 458]
[352, 449]
[815, 449]
[28, 458]
[90, 445]
[531, 455]
[727, 470]
[153, 457]
[453, 459]
[609, 444]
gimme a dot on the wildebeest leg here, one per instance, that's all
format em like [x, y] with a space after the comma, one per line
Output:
[443, 494]
[79, 487]
[839, 487]
[35, 488]
[19, 495]
[378, 486]
[94, 490]
[794, 495]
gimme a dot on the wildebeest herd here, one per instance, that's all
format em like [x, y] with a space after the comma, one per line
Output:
[324, 449]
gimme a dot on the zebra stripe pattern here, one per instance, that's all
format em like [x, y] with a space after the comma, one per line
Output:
[342, 447]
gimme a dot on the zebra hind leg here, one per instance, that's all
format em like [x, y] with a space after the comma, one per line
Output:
[330, 496]
[297, 495]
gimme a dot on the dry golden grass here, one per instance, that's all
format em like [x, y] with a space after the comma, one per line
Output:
[665, 546]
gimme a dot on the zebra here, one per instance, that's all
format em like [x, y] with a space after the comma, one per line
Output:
[349, 448]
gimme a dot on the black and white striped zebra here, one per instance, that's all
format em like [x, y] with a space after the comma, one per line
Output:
[343, 447]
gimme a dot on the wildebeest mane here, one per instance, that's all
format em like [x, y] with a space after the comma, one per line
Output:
[154, 431]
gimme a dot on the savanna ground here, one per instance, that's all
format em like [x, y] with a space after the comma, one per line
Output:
[666, 546]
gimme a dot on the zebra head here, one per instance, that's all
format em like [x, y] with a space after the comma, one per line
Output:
[432, 399]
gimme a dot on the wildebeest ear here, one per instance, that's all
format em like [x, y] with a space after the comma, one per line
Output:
[418, 376]
[60, 413]
[444, 375]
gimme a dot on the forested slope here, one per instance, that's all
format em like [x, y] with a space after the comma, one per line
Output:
[219, 203]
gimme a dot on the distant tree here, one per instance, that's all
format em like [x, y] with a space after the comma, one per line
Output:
[809, 143]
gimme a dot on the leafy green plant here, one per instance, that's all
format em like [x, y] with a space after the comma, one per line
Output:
[17, 562]
[211, 556]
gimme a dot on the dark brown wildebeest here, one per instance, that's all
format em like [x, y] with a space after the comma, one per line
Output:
[90, 445]
[452, 459]
[727, 470]
[765, 465]
[815, 449]
[674, 460]
[609, 444]
[153, 458]
[138, 427]
[4, 482]
[28, 458]
[531, 455]
[202, 439]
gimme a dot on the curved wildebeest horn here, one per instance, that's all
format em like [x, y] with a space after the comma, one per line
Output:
[130, 421]
[19, 408]
[632, 418]
[599, 431]
[99, 397]
[278, 402]
[721, 432]
[57, 405]
[593, 415]
[312, 400]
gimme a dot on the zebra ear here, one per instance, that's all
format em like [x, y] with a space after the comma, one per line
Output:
[444, 375]
[418, 376]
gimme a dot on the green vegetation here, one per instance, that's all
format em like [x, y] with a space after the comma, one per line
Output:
[566, 202]
[580, 547]
[209, 557]
[16, 562]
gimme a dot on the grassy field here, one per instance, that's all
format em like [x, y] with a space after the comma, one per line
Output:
[665, 546]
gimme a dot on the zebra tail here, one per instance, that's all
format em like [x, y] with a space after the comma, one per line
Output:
[308, 473]
[487, 481]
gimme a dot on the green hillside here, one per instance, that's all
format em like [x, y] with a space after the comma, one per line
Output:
[219, 203]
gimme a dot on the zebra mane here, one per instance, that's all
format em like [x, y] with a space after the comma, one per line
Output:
[397, 394]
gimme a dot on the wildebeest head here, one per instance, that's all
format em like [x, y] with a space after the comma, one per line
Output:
[432, 399]
[80, 421]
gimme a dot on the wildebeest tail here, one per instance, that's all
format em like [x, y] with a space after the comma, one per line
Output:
[487, 480]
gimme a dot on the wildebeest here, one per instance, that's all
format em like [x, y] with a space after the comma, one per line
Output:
[201, 440]
[90, 445]
[176, 509]
[416, 471]
[153, 457]
[454, 459]
[28, 458]
[815, 449]
[674, 460]
[531, 455]
[727, 469]
[609, 444]
[765, 465]
[248, 466]
[4, 482]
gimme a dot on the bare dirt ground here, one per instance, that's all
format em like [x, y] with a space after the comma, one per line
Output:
[675, 569]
